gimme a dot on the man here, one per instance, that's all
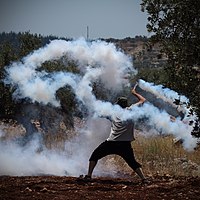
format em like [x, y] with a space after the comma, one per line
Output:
[119, 140]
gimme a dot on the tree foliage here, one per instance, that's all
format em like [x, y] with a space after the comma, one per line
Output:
[7, 55]
[28, 43]
[176, 25]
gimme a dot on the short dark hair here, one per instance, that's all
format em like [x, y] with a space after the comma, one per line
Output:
[122, 101]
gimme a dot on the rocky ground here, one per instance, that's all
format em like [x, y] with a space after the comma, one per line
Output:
[56, 187]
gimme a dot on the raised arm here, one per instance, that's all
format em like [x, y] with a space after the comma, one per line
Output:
[141, 99]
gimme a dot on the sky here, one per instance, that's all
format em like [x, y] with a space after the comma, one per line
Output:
[70, 18]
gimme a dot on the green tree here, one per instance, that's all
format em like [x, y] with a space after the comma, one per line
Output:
[7, 54]
[29, 42]
[176, 25]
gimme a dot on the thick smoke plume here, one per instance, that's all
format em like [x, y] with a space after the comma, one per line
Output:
[96, 60]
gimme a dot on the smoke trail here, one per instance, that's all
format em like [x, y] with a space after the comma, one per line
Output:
[170, 97]
[160, 92]
[95, 60]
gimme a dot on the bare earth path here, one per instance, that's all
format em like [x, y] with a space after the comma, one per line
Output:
[56, 187]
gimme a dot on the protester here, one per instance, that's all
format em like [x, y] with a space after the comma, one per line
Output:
[119, 140]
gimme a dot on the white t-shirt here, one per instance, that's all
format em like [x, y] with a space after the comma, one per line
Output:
[121, 130]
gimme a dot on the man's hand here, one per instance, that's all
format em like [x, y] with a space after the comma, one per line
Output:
[133, 90]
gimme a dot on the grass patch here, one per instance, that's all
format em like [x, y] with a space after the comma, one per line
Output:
[159, 155]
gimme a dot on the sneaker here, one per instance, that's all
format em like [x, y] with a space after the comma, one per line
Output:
[145, 181]
[86, 177]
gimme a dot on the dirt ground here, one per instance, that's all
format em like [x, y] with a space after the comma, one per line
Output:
[60, 188]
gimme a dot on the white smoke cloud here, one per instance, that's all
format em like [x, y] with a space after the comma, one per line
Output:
[2, 134]
[73, 161]
[100, 60]
[24, 161]
[96, 60]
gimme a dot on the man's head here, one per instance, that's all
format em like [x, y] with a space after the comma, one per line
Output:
[122, 101]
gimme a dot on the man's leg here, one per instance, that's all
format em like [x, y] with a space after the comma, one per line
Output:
[140, 173]
[101, 151]
[128, 155]
[91, 167]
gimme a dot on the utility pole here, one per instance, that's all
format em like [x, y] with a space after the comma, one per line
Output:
[87, 33]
